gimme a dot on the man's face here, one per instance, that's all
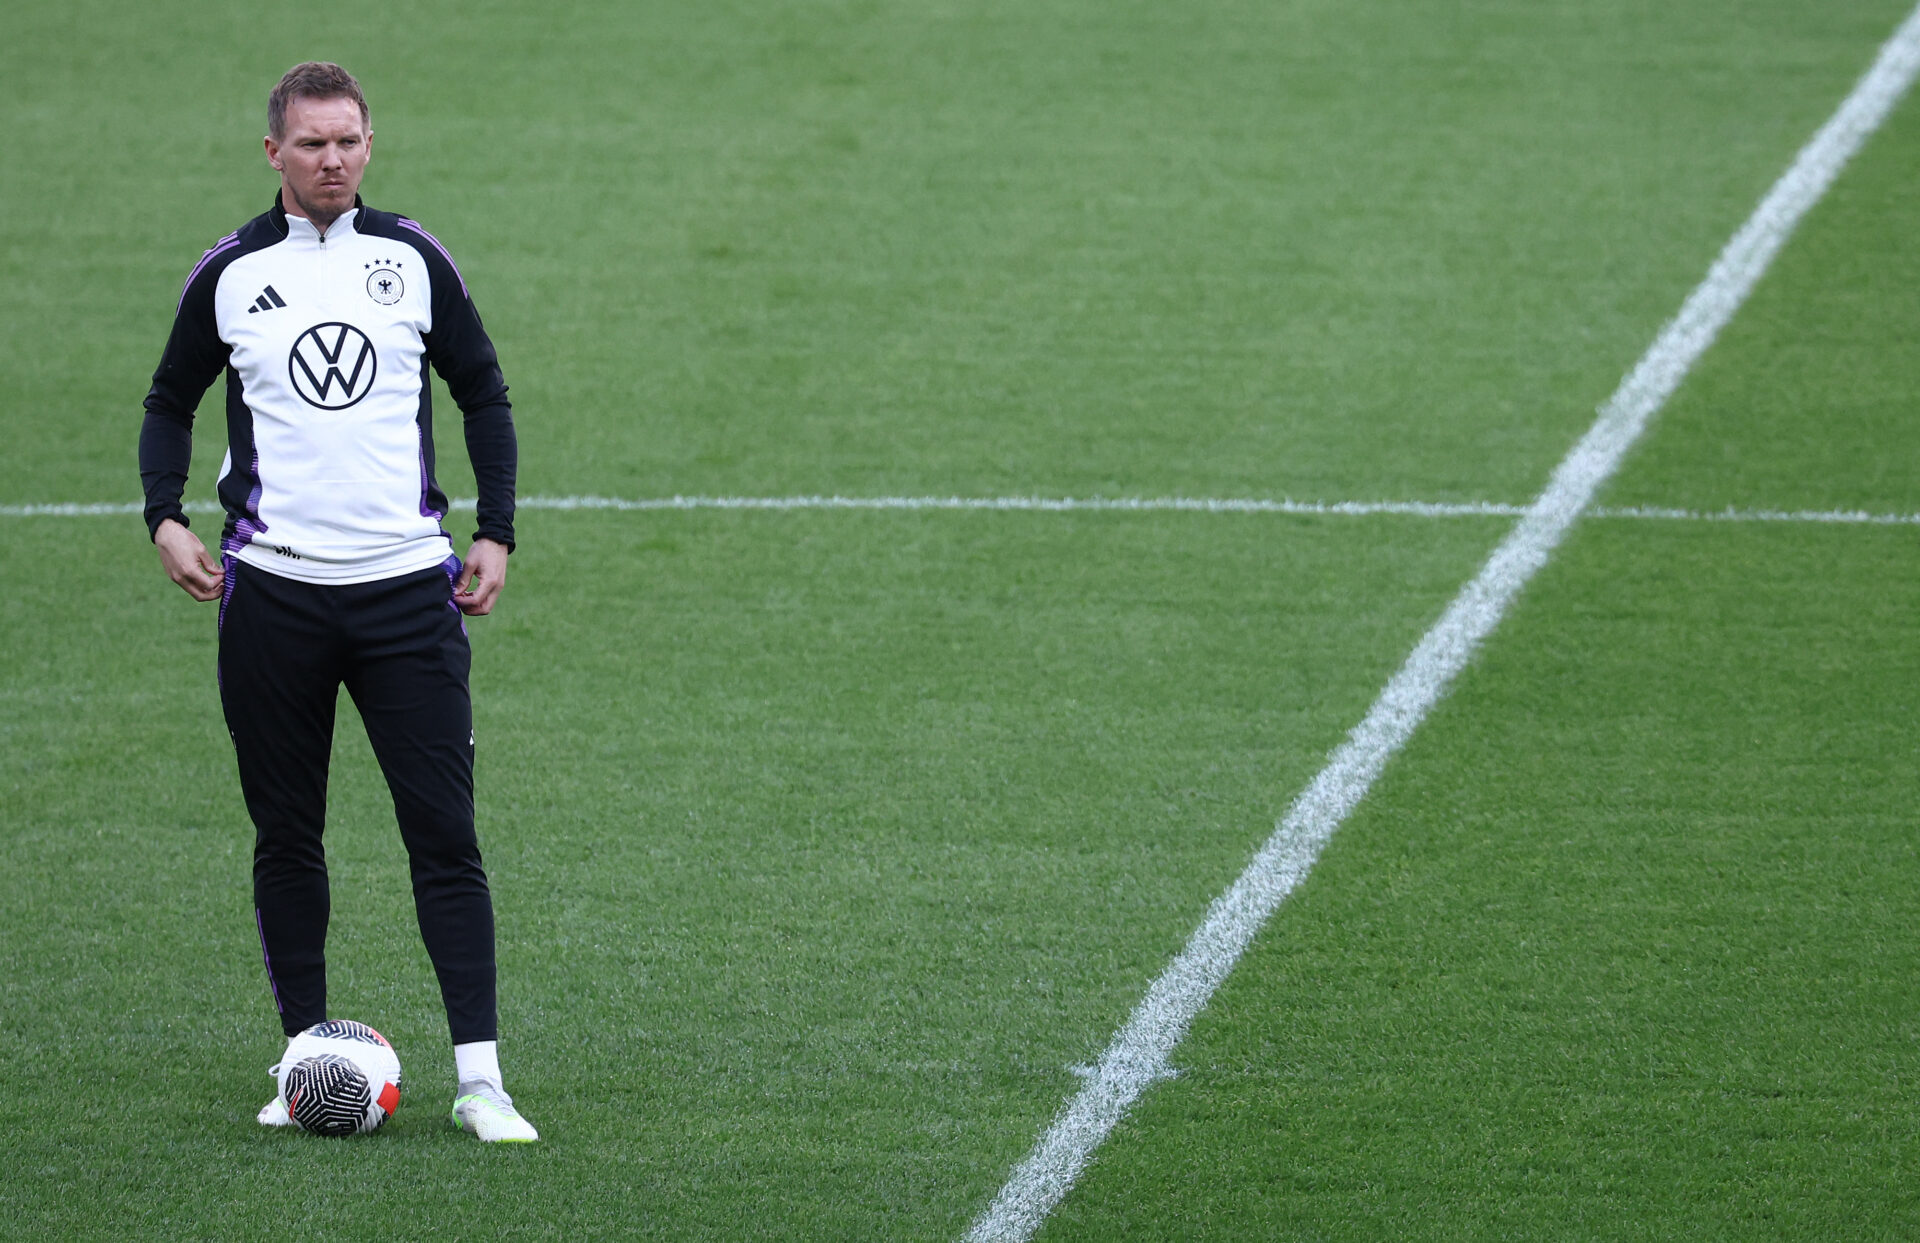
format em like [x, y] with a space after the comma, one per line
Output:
[321, 157]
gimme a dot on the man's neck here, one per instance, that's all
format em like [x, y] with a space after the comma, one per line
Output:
[321, 221]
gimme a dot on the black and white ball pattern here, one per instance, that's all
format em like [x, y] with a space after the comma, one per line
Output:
[339, 1078]
[328, 1095]
[346, 1029]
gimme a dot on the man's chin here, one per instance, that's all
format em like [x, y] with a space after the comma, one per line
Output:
[325, 207]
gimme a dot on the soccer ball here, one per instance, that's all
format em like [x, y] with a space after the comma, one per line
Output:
[340, 1078]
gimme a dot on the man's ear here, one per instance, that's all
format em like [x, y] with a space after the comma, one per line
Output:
[273, 154]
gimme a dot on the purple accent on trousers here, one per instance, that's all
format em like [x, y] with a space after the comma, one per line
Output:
[453, 566]
[231, 574]
[226, 592]
[267, 958]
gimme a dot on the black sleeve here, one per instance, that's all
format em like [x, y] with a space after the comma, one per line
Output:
[195, 356]
[459, 349]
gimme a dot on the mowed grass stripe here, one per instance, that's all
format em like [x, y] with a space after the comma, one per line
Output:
[837, 839]
[1808, 402]
[1312, 248]
[1619, 949]
[1138, 1055]
[822, 845]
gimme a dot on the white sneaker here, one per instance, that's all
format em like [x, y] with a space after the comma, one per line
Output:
[484, 1109]
[274, 1112]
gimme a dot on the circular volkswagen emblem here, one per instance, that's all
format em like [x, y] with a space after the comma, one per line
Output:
[385, 286]
[332, 365]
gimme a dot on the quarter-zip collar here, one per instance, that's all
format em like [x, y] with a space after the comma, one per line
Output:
[300, 227]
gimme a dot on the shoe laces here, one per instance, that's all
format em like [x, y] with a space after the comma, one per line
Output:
[490, 1092]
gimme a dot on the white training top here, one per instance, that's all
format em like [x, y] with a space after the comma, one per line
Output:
[326, 340]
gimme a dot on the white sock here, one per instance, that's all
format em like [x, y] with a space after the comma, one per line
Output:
[479, 1059]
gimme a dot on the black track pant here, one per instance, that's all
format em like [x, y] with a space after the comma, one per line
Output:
[400, 648]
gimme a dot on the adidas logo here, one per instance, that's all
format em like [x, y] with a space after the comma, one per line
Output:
[267, 301]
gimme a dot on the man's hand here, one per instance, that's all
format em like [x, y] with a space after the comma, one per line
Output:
[186, 562]
[480, 582]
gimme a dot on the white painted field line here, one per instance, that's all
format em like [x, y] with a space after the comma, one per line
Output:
[1065, 504]
[1043, 504]
[1139, 1052]
[83, 509]
[1038, 504]
[1198, 504]
[1836, 517]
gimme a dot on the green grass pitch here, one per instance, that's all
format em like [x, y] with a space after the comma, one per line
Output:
[826, 845]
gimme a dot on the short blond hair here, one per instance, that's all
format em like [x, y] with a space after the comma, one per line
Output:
[313, 79]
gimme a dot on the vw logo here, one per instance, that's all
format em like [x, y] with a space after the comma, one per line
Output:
[332, 365]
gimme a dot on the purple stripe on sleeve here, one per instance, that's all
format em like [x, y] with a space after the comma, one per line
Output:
[219, 248]
[408, 224]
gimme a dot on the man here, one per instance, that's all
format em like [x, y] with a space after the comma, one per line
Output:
[324, 314]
